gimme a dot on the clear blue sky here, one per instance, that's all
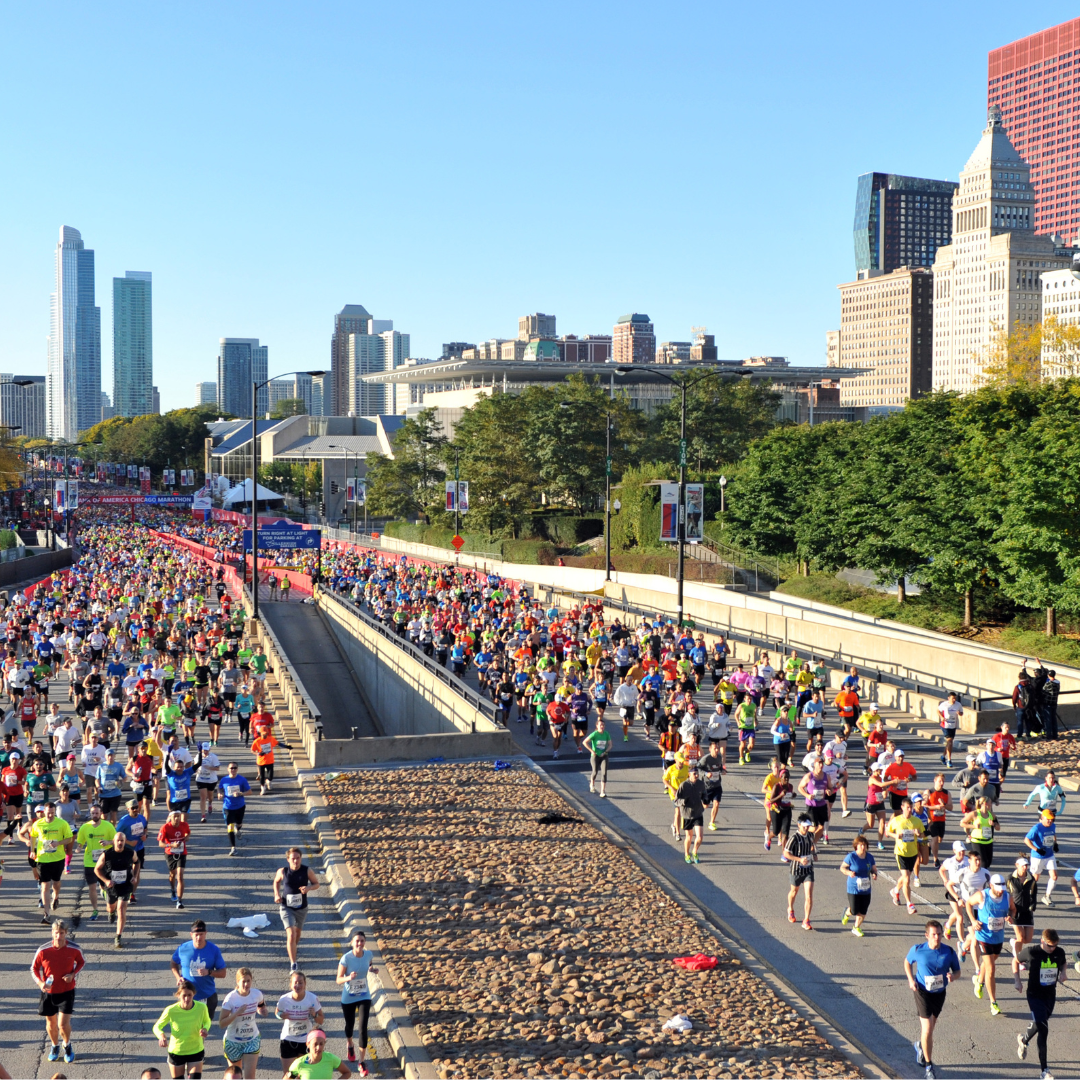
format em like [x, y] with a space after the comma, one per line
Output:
[455, 166]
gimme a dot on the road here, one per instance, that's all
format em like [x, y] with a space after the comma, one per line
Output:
[121, 993]
[858, 983]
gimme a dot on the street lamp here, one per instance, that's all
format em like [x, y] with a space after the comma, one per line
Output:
[255, 388]
[346, 452]
[683, 384]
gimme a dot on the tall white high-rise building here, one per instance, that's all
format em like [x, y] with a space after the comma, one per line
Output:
[988, 279]
[206, 393]
[73, 381]
[133, 344]
[381, 349]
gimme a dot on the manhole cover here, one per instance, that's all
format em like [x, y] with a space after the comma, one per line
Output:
[162, 933]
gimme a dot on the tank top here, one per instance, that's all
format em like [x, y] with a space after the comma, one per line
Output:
[983, 830]
[291, 884]
[815, 791]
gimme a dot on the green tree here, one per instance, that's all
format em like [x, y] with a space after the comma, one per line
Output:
[288, 407]
[410, 482]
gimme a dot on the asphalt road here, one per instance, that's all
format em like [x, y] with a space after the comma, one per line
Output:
[858, 983]
[121, 993]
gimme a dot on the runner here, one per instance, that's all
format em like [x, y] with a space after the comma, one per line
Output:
[1042, 840]
[674, 776]
[801, 852]
[815, 789]
[188, 1023]
[860, 869]
[263, 749]
[1024, 892]
[115, 870]
[690, 797]
[199, 962]
[240, 1011]
[778, 800]
[598, 743]
[292, 884]
[930, 967]
[938, 803]
[317, 1064]
[173, 838]
[233, 787]
[95, 837]
[711, 770]
[988, 909]
[134, 827]
[352, 973]
[905, 829]
[951, 712]
[625, 699]
[301, 1012]
[952, 871]
[980, 825]
[55, 968]
[51, 842]
[1046, 968]
[746, 721]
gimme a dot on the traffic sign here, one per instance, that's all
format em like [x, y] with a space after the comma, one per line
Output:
[458, 543]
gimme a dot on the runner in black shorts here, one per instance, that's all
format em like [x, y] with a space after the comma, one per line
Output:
[801, 853]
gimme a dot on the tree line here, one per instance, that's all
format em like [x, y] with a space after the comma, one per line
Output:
[954, 492]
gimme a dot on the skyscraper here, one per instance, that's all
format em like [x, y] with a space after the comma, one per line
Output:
[1031, 82]
[206, 393]
[987, 280]
[320, 395]
[633, 341]
[352, 319]
[73, 382]
[537, 325]
[23, 407]
[900, 221]
[370, 353]
[242, 361]
[133, 345]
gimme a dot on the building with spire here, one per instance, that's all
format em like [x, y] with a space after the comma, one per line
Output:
[987, 280]
[73, 379]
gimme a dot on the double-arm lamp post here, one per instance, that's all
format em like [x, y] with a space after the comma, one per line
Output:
[684, 385]
[255, 388]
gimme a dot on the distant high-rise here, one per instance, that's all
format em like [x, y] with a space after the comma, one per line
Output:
[352, 319]
[900, 221]
[133, 344]
[23, 407]
[73, 382]
[155, 401]
[1032, 82]
[206, 393]
[370, 353]
[107, 410]
[294, 388]
[634, 340]
[537, 325]
[242, 361]
[452, 349]
[320, 395]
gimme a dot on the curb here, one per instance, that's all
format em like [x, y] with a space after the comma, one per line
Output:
[861, 1055]
[386, 1001]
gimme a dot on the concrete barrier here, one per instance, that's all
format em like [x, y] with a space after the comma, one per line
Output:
[34, 566]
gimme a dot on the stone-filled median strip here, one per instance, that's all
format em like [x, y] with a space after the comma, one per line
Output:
[523, 948]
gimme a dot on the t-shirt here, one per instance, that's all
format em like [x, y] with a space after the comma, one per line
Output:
[992, 914]
[1042, 836]
[862, 869]
[134, 828]
[48, 839]
[184, 1026]
[196, 965]
[932, 966]
[232, 789]
[322, 1070]
[95, 838]
[906, 831]
[598, 742]
[1043, 968]
[244, 1026]
[297, 1016]
[356, 968]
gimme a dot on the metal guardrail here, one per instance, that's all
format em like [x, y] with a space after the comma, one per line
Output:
[866, 668]
[482, 705]
[748, 564]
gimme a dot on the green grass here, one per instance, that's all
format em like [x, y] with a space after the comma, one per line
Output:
[1060, 650]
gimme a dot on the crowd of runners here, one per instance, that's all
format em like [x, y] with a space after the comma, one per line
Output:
[124, 680]
[579, 680]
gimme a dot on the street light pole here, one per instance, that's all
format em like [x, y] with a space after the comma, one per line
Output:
[607, 504]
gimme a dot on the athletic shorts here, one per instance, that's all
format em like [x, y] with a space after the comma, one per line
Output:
[120, 892]
[876, 810]
[1039, 863]
[745, 734]
[51, 871]
[714, 792]
[819, 815]
[991, 948]
[289, 1048]
[188, 1059]
[928, 1005]
[906, 862]
[858, 903]
[897, 801]
[51, 1004]
[236, 817]
[205, 786]
[16, 801]
[291, 917]
[693, 823]
[174, 861]
[581, 724]
[183, 805]
[801, 874]
[1024, 917]
[111, 804]
[90, 877]
[234, 1051]
[937, 828]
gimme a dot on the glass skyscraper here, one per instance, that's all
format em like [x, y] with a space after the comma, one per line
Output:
[900, 221]
[73, 380]
[242, 361]
[133, 345]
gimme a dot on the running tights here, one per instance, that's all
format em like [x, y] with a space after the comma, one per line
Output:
[599, 765]
[1038, 1031]
[348, 1010]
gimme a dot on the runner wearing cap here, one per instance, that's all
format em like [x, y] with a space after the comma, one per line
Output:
[950, 712]
[952, 871]
[875, 802]
[173, 837]
[1024, 891]
[898, 774]
[1042, 840]
[988, 910]
[800, 852]
[930, 967]
[95, 836]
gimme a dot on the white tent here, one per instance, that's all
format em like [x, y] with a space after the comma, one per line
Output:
[240, 496]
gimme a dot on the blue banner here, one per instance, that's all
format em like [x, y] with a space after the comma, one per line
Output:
[168, 500]
[287, 539]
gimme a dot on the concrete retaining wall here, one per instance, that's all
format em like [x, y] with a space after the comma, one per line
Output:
[422, 715]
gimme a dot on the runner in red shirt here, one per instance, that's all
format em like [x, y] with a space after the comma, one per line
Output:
[54, 969]
[558, 716]
[1006, 744]
[173, 836]
[938, 802]
[901, 774]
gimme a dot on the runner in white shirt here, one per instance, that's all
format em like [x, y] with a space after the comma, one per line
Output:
[950, 712]
[206, 779]
[301, 1011]
[952, 872]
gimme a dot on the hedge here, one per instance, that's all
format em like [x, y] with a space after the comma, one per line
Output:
[568, 531]
[533, 552]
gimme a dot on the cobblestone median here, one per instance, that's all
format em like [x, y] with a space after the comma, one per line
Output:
[1061, 754]
[529, 949]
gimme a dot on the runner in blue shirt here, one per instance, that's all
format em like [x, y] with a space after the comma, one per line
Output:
[860, 869]
[233, 788]
[109, 778]
[930, 967]
[134, 825]
[988, 909]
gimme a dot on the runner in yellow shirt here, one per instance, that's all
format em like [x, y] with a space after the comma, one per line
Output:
[50, 841]
[907, 830]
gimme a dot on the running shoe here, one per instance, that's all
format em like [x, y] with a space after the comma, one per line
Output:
[674, 832]
[768, 843]
[1018, 984]
[204, 817]
[351, 1058]
[791, 916]
[294, 966]
[54, 1053]
[93, 918]
[846, 813]
[806, 925]
[592, 789]
[880, 846]
[930, 1074]
[1021, 1047]
[995, 1009]
[363, 1070]
[713, 827]
[978, 986]
[626, 738]
[942, 760]
[686, 858]
[603, 794]
[179, 905]
[911, 909]
[1046, 1075]
[45, 920]
[919, 1058]
[695, 859]
[915, 881]
[948, 933]
[858, 931]
[232, 851]
[69, 1054]
[1047, 902]
[118, 944]
[133, 899]
[825, 837]
[895, 894]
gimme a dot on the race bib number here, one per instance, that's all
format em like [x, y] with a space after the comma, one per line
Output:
[204, 776]
[176, 847]
[297, 1027]
[244, 1029]
[137, 829]
[12, 780]
[934, 983]
[862, 884]
[37, 795]
[1048, 976]
[138, 789]
[983, 832]
[48, 847]
[232, 791]
[995, 924]
[356, 988]
[669, 755]
[119, 877]
[907, 835]
[294, 900]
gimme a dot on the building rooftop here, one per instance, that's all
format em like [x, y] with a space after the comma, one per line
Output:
[994, 146]
[635, 318]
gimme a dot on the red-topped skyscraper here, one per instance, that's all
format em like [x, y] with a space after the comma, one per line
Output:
[1036, 83]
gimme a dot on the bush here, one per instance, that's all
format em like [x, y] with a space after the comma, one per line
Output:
[8, 539]
[530, 552]
[568, 531]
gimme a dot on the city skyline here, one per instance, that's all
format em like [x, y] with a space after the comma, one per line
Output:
[686, 260]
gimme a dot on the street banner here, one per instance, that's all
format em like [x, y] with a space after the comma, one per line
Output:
[202, 500]
[463, 496]
[669, 512]
[284, 538]
[60, 496]
[73, 494]
[695, 512]
[168, 500]
[451, 496]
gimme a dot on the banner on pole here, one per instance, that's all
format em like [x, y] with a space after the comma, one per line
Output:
[695, 512]
[60, 495]
[463, 496]
[451, 496]
[669, 512]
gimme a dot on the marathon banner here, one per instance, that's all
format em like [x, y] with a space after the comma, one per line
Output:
[695, 512]
[357, 490]
[283, 538]
[669, 512]
[131, 472]
[60, 495]
[202, 499]
[187, 477]
[461, 501]
[168, 500]
[114, 500]
[168, 477]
